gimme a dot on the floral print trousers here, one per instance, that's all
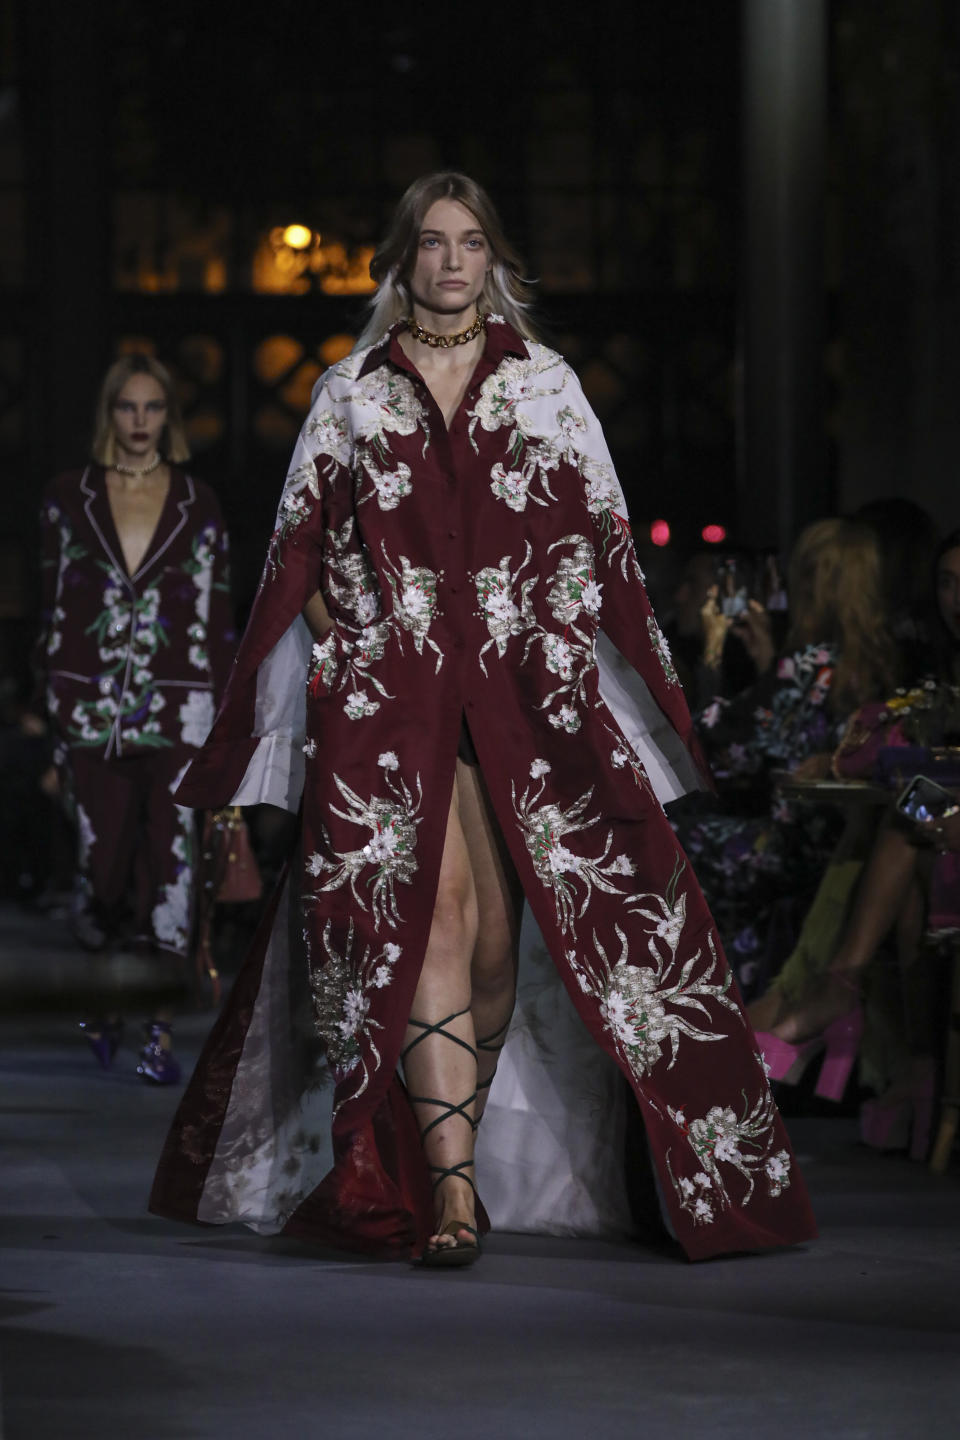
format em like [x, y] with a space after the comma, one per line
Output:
[133, 838]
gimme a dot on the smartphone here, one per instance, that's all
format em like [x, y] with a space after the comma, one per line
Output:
[924, 800]
[733, 583]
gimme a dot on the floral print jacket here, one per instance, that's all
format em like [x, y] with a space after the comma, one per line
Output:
[133, 662]
[774, 724]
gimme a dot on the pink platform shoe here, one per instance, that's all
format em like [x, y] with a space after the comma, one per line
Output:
[903, 1123]
[838, 1044]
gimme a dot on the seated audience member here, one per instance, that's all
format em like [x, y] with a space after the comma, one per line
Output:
[731, 668]
[816, 999]
[753, 851]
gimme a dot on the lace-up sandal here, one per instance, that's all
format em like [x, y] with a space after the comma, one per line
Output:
[491, 1044]
[458, 1254]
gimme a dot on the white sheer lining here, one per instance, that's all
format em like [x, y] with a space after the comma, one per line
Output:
[549, 1150]
[550, 1146]
[275, 773]
[665, 758]
[274, 1147]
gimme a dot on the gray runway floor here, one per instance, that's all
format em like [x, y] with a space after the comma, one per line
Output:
[116, 1324]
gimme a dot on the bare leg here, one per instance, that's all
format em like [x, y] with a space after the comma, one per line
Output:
[884, 890]
[500, 906]
[468, 980]
[439, 1061]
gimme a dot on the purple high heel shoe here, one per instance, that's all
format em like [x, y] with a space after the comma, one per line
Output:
[839, 1044]
[103, 1037]
[158, 1065]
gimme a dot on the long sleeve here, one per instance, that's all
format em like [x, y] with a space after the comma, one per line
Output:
[625, 613]
[50, 544]
[253, 752]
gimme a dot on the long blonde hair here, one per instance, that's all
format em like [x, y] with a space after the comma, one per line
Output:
[505, 289]
[173, 442]
[837, 597]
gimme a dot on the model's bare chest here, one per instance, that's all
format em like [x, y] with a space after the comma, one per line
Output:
[136, 514]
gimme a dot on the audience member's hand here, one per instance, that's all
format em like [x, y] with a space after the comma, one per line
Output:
[715, 627]
[752, 627]
[814, 767]
[31, 724]
[944, 833]
[50, 782]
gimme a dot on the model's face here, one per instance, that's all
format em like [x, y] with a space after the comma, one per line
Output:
[453, 258]
[948, 590]
[139, 415]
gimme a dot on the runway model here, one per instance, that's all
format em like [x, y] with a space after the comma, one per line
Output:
[420, 670]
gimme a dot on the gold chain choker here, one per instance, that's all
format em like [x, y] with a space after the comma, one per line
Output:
[138, 471]
[444, 342]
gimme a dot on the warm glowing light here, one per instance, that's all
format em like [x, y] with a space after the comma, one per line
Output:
[660, 532]
[713, 534]
[298, 237]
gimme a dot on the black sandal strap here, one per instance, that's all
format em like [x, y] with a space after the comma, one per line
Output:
[448, 1110]
[487, 1042]
[454, 1172]
[437, 1029]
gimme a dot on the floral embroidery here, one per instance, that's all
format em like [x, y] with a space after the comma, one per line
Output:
[129, 632]
[330, 446]
[172, 916]
[722, 1138]
[634, 999]
[382, 403]
[572, 591]
[503, 615]
[387, 859]
[544, 828]
[661, 649]
[358, 705]
[391, 485]
[512, 486]
[414, 590]
[341, 986]
[196, 717]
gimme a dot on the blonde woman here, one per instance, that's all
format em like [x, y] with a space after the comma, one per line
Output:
[450, 540]
[752, 852]
[135, 647]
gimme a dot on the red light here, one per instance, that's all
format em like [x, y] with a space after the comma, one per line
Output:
[714, 534]
[660, 532]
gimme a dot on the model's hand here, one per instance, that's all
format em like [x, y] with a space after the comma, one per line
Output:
[715, 627]
[752, 628]
[317, 616]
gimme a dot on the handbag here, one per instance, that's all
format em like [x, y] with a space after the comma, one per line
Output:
[229, 874]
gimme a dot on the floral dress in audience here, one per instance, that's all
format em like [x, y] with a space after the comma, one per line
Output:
[754, 851]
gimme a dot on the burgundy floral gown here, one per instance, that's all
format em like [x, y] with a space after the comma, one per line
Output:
[467, 573]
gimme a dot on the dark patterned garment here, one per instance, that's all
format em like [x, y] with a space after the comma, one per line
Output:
[467, 573]
[757, 850]
[132, 667]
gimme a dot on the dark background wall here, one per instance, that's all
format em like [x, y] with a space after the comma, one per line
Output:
[146, 155]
